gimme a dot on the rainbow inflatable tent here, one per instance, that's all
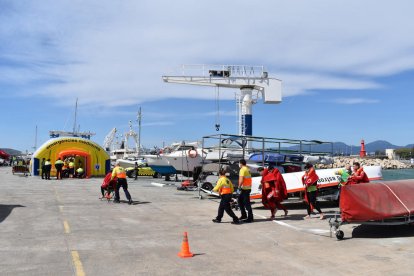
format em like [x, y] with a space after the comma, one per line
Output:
[87, 154]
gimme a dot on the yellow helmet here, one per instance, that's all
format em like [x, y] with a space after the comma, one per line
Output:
[338, 172]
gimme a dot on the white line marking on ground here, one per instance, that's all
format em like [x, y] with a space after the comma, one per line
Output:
[157, 184]
[312, 231]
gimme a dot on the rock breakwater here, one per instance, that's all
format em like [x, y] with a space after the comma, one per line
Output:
[386, 164]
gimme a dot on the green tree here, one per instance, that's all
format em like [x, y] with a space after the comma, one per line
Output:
[404, 153]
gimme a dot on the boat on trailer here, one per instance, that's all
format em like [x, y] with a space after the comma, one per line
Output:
[288, 155]
[184, 157]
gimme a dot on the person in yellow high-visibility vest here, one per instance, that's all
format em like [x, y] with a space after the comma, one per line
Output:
[80, 173]
[48, 167]
[225, 188]
[59, 166]
[120, 173]
[71, 168]
[245, 187]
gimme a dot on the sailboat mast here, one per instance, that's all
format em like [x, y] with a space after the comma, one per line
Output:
[139, 131]
[76, 111]
[35, 143]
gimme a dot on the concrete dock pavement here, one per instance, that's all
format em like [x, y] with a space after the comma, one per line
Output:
[50, 227]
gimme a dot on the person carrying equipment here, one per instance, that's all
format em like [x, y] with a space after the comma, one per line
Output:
[225, 188]
[120, 173]
[344, 175]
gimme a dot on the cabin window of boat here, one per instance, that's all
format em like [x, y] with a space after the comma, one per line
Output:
[185, 148]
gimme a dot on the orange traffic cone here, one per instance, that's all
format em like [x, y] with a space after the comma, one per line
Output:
[185, 248]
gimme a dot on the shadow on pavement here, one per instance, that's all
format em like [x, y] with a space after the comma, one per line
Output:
[298, 205]
[255, 220]
[383, 231]
[135, 202]
[199, 254]
[291, 217]
[5, 210]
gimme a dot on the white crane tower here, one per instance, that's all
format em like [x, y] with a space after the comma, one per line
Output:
[109, 138]
[245, 78]
[131, 134]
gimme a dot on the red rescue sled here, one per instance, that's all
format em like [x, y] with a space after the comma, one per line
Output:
[109, 185]
[379, 203]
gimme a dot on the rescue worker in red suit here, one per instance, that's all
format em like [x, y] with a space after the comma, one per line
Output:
[310, 181]
[273, 190]
[359, 176]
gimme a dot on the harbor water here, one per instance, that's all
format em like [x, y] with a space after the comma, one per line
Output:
[398, 174]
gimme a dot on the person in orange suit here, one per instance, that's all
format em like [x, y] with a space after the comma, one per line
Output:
[273, 190]
[359, 176]
[310, 181]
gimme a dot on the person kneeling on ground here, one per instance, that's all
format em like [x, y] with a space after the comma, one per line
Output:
[79, 173]
[119, 172]
[225, 189]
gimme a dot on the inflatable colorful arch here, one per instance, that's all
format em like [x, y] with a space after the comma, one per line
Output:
[87, 154]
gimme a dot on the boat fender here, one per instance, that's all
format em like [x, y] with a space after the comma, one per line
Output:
[192, 153]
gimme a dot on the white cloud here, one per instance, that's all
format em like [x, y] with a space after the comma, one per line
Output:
[355, 101]
[115, 54]
[300, 83]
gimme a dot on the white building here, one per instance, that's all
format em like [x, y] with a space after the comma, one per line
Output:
[390, 153]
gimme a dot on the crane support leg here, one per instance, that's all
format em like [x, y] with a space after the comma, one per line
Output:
[246, 119]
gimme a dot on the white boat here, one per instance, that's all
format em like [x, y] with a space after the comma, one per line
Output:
[327, 179]
[228, 149]
[130, 162]
[328, 182]
[159, 164]
[184, 157]
[181, 158]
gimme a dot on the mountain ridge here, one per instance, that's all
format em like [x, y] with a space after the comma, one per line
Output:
[342, 148]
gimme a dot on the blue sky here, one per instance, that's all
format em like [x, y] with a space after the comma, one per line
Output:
[347, 68]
